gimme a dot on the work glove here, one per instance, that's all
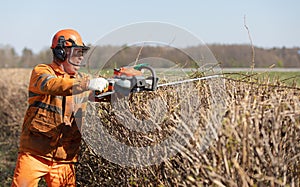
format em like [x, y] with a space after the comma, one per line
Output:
[98, 84]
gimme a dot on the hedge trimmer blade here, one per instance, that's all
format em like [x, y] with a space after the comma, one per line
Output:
[187, 80]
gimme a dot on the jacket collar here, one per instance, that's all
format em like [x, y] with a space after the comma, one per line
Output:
[57, 68]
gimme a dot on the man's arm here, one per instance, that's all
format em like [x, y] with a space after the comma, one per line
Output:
[44, 81]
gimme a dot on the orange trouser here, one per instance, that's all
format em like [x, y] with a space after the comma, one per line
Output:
[30, 169]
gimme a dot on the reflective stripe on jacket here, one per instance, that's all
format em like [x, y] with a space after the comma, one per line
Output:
[49, 128]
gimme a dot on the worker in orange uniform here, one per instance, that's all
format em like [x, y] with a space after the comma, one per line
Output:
[50, 136]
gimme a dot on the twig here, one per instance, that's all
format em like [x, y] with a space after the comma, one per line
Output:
[253, 51]
[138, 56]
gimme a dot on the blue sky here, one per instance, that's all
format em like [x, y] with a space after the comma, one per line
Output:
[32, 23]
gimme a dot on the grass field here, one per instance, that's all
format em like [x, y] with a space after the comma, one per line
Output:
[282, 77]
[257, 144]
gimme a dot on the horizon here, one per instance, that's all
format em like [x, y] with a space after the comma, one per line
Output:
[19, 53]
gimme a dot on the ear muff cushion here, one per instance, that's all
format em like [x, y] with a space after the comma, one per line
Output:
[59, 51]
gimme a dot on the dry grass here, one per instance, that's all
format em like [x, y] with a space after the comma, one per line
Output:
[13, 102]
[257, 144]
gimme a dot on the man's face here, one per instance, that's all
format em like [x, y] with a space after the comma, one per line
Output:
[74, 60]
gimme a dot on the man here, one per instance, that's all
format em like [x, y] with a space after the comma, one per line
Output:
[50, 136]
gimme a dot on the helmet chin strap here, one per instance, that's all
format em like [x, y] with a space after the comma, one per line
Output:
[70, 62]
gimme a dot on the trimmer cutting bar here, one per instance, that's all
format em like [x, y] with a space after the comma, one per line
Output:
[188, 80]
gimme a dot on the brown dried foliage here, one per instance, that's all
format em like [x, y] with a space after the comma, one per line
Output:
[257, 144]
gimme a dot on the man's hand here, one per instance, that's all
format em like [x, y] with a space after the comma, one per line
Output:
[98, 84]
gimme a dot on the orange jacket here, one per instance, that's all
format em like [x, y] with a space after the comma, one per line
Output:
[50, 127]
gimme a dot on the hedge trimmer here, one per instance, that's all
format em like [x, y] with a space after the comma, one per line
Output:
[130, 79]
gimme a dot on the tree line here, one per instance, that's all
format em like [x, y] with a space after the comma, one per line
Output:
[227, 55]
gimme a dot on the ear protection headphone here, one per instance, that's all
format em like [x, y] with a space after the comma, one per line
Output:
[59, 51]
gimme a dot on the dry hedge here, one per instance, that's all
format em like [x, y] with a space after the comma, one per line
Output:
[257, 144]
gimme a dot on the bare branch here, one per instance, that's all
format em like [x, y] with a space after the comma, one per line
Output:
[253, 51]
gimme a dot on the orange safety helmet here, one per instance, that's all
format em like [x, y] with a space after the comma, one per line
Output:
[66, 38]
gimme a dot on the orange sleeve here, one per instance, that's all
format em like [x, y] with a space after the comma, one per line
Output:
[44, 81]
